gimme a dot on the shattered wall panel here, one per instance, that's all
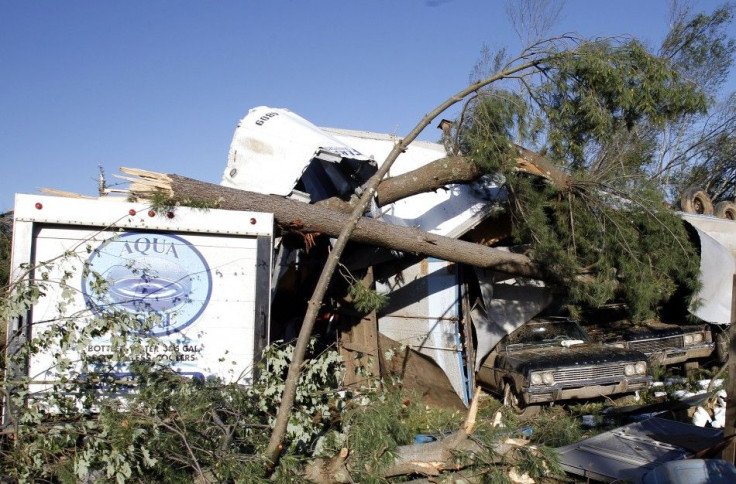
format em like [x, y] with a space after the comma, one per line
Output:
[505, 305]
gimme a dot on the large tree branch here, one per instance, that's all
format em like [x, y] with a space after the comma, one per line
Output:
[446, 171]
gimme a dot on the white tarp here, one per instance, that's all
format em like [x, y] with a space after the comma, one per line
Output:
[717, 268]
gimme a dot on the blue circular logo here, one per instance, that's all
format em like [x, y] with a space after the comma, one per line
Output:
[148, 274]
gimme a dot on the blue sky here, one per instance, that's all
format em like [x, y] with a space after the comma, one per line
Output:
[161, 84]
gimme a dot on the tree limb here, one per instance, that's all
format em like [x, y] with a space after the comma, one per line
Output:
[449, 170]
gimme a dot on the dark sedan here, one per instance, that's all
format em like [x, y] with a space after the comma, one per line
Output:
[550, 360]
[667, 344]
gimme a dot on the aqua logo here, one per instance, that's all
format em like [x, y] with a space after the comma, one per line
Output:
[148, 274]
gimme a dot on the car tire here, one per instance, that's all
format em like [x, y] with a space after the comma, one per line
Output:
[513, 401]
[695, 200]
[722, 347]
[725, 209]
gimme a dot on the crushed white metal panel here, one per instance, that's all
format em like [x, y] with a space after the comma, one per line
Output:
[273, 147]
[506, 304]
[625, 454]
[451, 211]
[717, 267]
[423, 313]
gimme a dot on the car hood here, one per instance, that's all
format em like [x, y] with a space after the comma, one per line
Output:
[550, 357]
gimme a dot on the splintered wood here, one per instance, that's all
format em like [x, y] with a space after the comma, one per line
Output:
[144, 183]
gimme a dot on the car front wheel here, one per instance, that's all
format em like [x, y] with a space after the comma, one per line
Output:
[512, 400]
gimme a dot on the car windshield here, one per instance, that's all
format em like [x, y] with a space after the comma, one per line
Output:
[545, 332]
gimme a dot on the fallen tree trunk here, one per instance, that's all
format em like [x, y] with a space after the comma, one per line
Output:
[311, 218]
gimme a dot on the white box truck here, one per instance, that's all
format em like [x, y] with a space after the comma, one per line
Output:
[199, 277]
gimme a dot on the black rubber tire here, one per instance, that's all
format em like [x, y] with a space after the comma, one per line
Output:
[695, 200]
[725, 209]
[513, 401]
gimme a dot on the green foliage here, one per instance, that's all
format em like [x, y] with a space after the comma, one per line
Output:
[6, 231]
[605, 235]
[365, 299]
[496, 117]
[374, 428]
[315, 404]
[700, 47]
[605, 242]
[163, 203]
[154, 425]
[496, 475]
[539, 462]
[600, 88]
[556, 427]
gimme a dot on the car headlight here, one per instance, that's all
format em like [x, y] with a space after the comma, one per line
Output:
[542, 377]
[688, 339]
[698, 338]
[548, 378]
[640, 368]
[629, 370]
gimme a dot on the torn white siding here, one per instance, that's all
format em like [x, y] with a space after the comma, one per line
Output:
[506, 304]
[424, 314]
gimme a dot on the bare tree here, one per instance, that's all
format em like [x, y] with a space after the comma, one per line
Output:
[533, 19]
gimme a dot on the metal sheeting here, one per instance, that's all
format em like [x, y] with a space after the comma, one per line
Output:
[505, 306]
[272, 148]
[423, 313]
[628, 452]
